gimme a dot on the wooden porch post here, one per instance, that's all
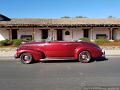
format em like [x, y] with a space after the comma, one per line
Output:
[111, 33]
[92, 34]
[72, 34]
[10, 33]
[33, 34]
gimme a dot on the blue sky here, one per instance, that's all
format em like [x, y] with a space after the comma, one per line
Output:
[60, 8]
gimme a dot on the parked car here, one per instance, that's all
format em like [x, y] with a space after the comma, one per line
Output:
[38, 51]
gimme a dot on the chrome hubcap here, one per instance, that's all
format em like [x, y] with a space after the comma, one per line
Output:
[85, 56]
[26, 58]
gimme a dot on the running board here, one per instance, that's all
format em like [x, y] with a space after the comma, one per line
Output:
[46, 59]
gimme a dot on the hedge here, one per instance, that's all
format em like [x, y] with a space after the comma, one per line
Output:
[101, 41]
[14, 42]
[85, 39]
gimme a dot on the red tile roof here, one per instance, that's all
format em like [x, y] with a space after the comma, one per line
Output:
[74, 21]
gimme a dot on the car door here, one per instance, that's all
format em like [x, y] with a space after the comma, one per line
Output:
[56, 49]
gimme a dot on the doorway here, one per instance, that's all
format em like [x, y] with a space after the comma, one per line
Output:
[60, 35]
[14, 33]
[44, 34]
[86, 33]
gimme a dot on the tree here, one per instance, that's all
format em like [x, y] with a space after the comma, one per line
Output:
[80, 17]
[111, 17]
[65, 17]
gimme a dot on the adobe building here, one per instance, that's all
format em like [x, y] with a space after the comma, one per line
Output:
[38, 29]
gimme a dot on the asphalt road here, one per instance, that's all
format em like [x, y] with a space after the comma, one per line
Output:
[59, 75]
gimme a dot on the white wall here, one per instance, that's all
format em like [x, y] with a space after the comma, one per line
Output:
[77, 33]
[24, 31]
[4, 34]
[117, 34]
[67, 37]
[100, 30]
[37, 36]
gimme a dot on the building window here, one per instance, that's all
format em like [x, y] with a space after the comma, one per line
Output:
[26, 37]
[99, 36]
[67, 33]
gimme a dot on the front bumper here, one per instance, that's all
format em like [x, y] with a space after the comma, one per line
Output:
[103, 51]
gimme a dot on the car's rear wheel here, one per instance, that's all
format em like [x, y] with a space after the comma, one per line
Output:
[84, 57]
[26, 58]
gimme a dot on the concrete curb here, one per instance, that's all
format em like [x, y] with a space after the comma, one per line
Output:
[11, 58]
[3, 58]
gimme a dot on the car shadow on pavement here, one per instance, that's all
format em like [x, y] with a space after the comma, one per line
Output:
[61, 61]
[73, 61]
[101, 59]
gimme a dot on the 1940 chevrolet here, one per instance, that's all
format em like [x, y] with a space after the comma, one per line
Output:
[38, 51]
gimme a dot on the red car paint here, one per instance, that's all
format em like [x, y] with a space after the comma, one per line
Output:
[60, 49]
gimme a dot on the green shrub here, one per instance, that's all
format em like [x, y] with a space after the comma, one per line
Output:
[5, 42]
[10, 42]
[85, 39]
[117, 40]
[17, 42]
[101, 41]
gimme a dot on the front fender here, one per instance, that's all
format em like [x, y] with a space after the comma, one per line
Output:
[37, 55]
[80, 49]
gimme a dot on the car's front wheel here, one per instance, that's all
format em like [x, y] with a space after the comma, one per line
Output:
[26, 58]
[84, 57]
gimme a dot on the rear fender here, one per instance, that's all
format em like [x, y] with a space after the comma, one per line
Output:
[37, 55]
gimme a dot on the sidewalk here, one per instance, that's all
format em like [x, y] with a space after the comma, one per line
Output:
[8, 53]
[112, 52]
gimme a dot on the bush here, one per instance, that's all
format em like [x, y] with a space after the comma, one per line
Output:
[85, 39]
[117, 40]
[14, 42]
[17, 42]
[101, 41]
[5, 42]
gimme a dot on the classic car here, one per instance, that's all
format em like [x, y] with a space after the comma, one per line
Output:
[39, 51]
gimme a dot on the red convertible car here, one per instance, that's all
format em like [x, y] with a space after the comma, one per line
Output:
[38, 51]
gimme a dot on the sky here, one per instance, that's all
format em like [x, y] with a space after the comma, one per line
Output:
[60, 8]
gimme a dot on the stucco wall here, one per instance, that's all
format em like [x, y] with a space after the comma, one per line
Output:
[100, 30]
[24, 31]
[4, 34]
[37, 36]
[67, 37]
[117, 34]
[75, 33]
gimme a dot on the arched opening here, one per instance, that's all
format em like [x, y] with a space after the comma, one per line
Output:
[67, 33]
